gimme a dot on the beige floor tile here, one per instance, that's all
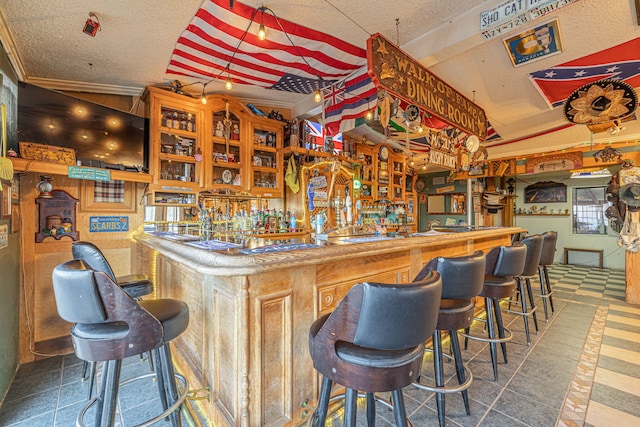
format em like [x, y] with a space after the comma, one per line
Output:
[600, 415]
[618, 381]
[624, 335]
[620, 354]
[624, 320]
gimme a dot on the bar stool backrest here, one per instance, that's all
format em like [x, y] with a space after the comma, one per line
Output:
[76, 293]
[548, 247]
[534, 250]
[509, 260]
[462, 277]
[398, 316]
[93, 256]
[109, 324]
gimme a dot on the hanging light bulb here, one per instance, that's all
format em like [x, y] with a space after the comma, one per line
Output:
[262, 33]
[412, 161]
[203, 97]
[369, 114]
[228, 85]
[318, 95]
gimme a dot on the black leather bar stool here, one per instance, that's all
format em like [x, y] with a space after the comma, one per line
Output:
[109, 326]
[462, 280]
[135, 285]
[546, 258]
[534, 249]
[503, 264]
[374, 342]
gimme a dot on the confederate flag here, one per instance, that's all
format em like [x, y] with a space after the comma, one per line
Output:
[621, 62]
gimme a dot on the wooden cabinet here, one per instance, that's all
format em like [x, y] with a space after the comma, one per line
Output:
[397, 178]
[266, 177]
[220, 146]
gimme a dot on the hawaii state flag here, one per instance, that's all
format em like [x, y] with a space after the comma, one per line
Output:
[621, 62]
[292, 57]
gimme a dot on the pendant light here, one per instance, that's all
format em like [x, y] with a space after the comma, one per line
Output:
[318, 95]
[228, 85]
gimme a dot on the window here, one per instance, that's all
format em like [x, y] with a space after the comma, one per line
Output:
[589, 205]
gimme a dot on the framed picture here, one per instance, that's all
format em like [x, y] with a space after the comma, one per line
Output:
[545, 192]
[5, 211]
[537, 43]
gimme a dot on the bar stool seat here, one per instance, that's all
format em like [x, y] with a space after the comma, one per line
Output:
[135, 285]
[374, 342]
[503, 264]
[523, 280]
[546, 258]
[462, 280]
[110, 326]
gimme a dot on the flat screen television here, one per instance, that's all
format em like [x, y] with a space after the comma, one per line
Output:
[101, 136]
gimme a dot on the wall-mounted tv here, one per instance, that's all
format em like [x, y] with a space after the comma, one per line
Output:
[101, 136]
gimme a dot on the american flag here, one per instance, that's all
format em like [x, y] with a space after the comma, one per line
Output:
[207, 45]
[359, 94]
[619, 62]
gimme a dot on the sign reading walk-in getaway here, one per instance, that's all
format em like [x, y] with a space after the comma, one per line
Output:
[101, 224]
[395, 71]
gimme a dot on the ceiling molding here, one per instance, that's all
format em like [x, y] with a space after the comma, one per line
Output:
[72, 86]
[10, 48]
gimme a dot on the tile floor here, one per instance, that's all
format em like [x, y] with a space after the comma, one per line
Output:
[581, 369]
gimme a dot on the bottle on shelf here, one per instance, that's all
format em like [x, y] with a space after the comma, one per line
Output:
[293, 222]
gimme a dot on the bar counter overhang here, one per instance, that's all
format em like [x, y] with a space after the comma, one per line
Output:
[247, 342]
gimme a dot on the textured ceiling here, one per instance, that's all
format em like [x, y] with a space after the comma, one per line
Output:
[47, 46]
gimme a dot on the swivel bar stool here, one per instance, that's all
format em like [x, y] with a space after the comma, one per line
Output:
[462, 280]
[135, 285]
[534, 248]
[109, 326]
[374, 342]
[546, 258]
[503, 264]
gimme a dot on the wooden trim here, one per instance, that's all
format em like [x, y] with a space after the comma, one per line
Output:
[638, 11]
[87, 203]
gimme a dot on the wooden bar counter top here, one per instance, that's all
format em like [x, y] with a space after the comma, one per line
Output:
[247, 340]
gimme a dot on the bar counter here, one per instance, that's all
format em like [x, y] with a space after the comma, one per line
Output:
[247, 341]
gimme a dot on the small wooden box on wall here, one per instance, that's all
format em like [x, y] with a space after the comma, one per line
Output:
[57, 216]
[502, 167]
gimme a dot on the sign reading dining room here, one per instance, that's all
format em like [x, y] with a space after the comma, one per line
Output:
[403, 76]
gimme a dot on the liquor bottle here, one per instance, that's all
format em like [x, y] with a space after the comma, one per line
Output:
[183, 121]
[293, 222]
[190, 123]
[176, 121]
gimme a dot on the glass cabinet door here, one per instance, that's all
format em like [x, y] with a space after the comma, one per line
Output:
[228, 163]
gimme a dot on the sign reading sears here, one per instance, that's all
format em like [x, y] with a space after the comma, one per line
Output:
[100, 224]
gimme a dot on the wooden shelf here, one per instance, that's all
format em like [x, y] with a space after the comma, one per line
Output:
[49, 168]
[542, 214]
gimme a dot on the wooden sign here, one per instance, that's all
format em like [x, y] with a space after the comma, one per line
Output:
[442, 159]
[394, 70]
[555, 162]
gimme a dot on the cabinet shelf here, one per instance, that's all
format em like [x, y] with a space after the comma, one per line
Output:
[50, 168]
[175, 131]
[543, 214]
[177, 158]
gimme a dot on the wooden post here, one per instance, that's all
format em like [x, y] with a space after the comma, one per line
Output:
[638, 11]
[632, 267]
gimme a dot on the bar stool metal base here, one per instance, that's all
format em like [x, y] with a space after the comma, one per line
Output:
[342, 396]
[179, 401]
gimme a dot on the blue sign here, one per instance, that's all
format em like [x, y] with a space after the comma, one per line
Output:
[93, 174]
[101, 224]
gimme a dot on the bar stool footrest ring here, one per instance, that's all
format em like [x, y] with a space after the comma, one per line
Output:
[446, 390]
[341, 396]
[507, 332]
[179, 401]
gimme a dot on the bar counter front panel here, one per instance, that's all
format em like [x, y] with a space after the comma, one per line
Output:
[247, 341]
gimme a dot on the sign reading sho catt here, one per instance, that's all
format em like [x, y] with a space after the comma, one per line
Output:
[403, 76]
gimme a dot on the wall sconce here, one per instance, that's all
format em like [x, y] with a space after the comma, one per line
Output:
[45, 187]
